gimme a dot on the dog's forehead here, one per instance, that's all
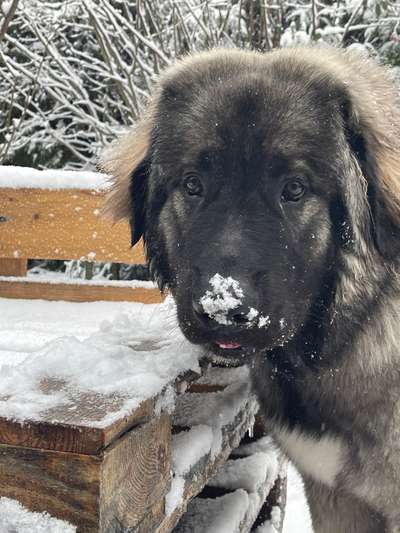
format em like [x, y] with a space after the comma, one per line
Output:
[246, 114]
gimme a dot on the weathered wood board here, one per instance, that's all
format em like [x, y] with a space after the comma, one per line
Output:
[117, 478]
[13, 267]
[210, 505]
[62, 224]
[190, 408]
[68, 292]
[109, 492]
[71, 428]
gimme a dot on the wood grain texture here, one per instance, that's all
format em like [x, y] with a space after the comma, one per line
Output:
[68, 428]
[13, 267]
[32, 290]
[113, 492]
[135, 476]
[65, 485]
[62, 224]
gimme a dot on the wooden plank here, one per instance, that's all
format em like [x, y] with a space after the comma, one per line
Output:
[65, 485]
[77, 293]
[62, 224]
[208, 465]
[265, 493]
[276, 498]
[68, 428]
[13, 267]
[135, 477]
[108, 493]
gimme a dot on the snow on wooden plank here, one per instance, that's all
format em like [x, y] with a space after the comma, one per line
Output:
[77, 292]
[31, 178]
[127, 484]
[78, 395]
[213, 425]
[62, 224]
[218, 515]
[243, 486]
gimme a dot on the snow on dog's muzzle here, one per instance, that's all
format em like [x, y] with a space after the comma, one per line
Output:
[225, 303]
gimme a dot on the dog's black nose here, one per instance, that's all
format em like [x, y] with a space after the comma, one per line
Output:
[199, 311]
[225, 300]
[238, 316]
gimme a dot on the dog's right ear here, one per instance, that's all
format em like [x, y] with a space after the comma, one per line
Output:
[127, 161]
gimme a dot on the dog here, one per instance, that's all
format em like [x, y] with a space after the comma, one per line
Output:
[267, 191]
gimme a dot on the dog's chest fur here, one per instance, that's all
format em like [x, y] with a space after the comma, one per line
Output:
[320, 458]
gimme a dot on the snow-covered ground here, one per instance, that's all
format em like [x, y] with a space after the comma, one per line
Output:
[297, 514]
[26, 329]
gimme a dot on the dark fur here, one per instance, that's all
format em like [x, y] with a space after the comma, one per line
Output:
[245, 124]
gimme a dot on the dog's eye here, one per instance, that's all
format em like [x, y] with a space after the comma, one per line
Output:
[293, 191]
[193, 186]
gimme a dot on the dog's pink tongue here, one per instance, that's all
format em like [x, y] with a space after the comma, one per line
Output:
[228, 345]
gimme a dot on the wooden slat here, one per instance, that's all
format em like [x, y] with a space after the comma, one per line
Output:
[77, 293]
[207, 466]
[61, 224]
[68, 428]
[13, 267]
[65, 485]
[108, 493]
[135, 477]
[271, 493]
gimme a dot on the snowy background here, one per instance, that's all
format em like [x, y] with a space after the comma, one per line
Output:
[74, 72]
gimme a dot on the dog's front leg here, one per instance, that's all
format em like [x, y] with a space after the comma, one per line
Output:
[337, 512]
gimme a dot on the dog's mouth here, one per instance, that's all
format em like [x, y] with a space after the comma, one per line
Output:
[228, 345]
[230, 353]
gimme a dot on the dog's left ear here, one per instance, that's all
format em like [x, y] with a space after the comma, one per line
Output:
[127, 160]
[372, 120]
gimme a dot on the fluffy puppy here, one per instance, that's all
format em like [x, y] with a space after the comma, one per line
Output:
[267, 191]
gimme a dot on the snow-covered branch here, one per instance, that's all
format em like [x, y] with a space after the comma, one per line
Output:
[72, 74]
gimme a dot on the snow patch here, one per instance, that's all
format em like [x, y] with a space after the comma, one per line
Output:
[297, 513]
[175, 495]
[192, 410]
[226, 295]
[56, 278]
[248, 473]
[31, 178]
[131, 358]
[14, 518]
[220, 515]
[188, 447]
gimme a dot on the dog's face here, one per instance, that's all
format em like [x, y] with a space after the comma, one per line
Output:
[242, 199]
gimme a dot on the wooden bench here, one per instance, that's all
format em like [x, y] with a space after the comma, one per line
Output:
[63, 224]
[128, 474]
